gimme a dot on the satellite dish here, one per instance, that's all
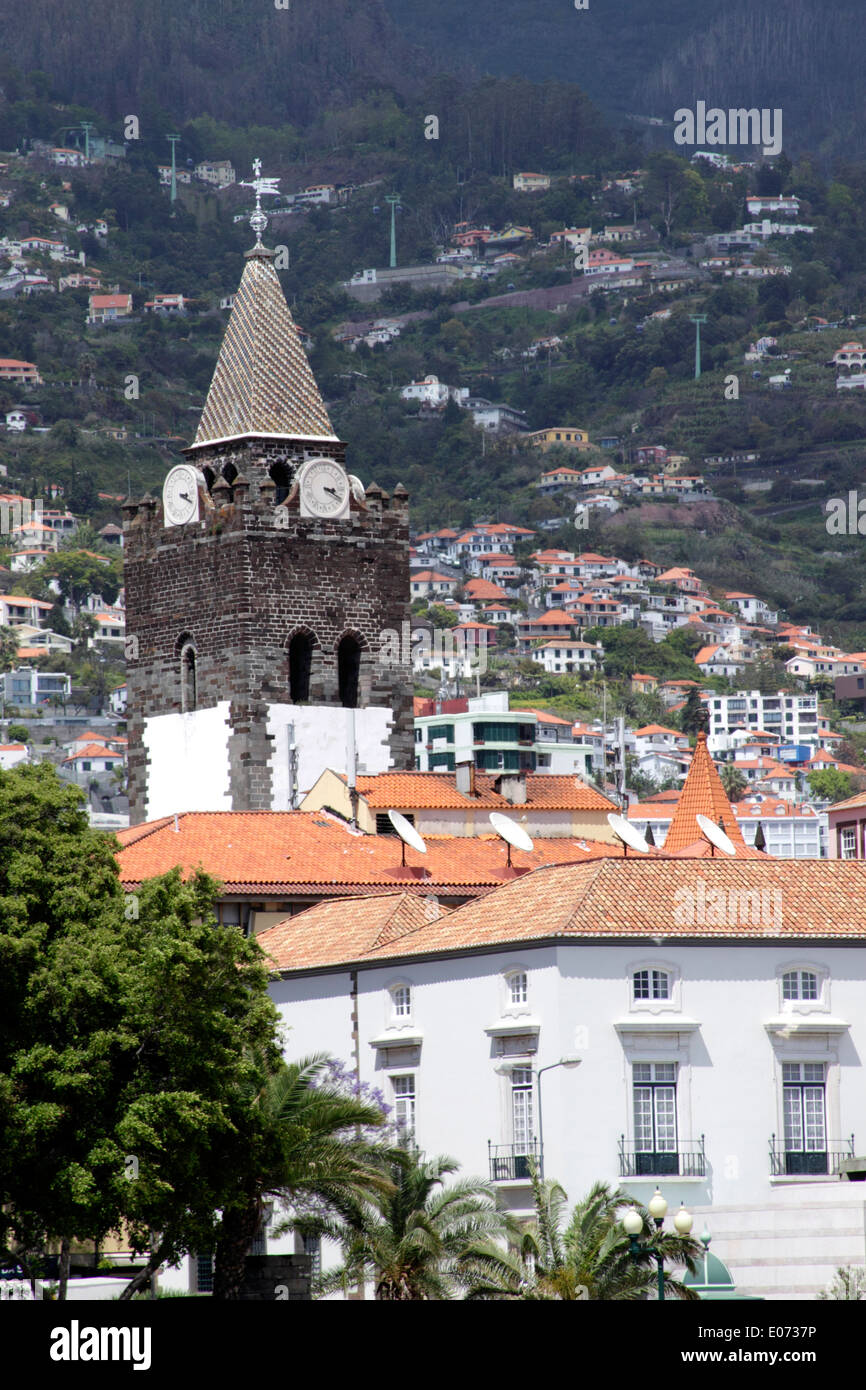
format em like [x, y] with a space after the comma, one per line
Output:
[408, 834]
[628, 834]
[511, 833]
[716, 836]
[358, 491]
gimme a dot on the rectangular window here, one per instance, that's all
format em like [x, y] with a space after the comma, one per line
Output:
[655, 1117]
[848, 842]
[804, 1117]
[204, 1272]
[522, 1113]
[402, 996]
[651, 984]
[404, 1104]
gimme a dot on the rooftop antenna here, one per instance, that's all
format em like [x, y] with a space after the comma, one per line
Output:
[408, 834]
[511, 833]
[627, 834]
[716, 836]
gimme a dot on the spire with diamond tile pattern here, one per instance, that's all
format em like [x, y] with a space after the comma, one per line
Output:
[262, 385]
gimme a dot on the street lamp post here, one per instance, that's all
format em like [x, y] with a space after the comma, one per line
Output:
[633, 1225]
[569, 1063]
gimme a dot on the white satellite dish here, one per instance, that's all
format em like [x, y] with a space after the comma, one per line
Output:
[358, 490]
[408, 834]
[511, 833]
[628, 834]
[716, 836]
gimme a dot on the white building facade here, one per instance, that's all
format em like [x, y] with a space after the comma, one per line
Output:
[746, 1111]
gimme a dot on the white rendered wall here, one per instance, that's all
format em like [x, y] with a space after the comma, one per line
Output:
[321, 733]
[188, 761]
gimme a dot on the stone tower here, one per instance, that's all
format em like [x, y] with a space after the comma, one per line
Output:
[263, 644]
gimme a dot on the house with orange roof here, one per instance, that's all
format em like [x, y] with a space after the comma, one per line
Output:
[556, 622]
[496, 613]
[12, 755]
[655, 738]
[567, 656]
[719, 659]
[643, 684]
[430, 583]
[459, 803]
[753, 609]
[627, 965]
[482, 590]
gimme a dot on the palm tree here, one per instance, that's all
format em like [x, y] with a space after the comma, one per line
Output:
[309, 1141]
[589, 1259]
[416, 1241]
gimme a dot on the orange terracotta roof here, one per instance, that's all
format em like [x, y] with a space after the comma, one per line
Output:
[657, 729]
[484, 589]
[611, 898]
[341, 927]
[702, 794]
[315, 854]
[93, 750]
[438, 790]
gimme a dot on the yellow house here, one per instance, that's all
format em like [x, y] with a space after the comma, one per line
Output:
[565, 435]
[530, 183]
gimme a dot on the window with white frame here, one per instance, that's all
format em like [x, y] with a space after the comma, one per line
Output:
[654, 1097]
[801, 985]
[401, 1002]
[522, 1110]
[517, 988]
[651, 984]
[403, 1088]
[804, 1117]
[848, 842]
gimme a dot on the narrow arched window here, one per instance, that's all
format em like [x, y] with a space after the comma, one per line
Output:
[188, 691]
[300, 662]
[281, 479]
[349, 671]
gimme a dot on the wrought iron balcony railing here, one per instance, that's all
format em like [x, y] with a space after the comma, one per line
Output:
[681, 1160]
[513, 1162]
[786, 1161]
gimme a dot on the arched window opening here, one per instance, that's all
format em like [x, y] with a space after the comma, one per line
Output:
[230, 473]
[300, 662]
[349, 671]
[188, 690]
[282, 481]
[210, 478]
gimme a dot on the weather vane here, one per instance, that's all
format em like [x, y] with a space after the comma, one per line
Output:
[259, 221]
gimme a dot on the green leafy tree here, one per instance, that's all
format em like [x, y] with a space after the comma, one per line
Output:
[130, 1032]
[589, 1258]
[416, 1241]
[831, 785]
[8, 648]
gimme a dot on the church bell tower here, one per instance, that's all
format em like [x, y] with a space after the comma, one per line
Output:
[267, 592]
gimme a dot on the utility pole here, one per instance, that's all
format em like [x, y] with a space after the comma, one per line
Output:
[697, 320]
[175, 139]
[394, 200]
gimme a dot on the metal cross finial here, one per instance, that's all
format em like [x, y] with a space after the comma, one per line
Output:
[258, 220]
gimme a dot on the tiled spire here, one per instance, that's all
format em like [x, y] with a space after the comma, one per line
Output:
[262, 384]
[702, 794]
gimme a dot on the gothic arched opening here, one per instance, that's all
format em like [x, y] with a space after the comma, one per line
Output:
[300, 665]
[188, 679]
[349, 670]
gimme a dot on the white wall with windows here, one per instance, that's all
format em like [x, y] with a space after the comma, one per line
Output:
[729, 1074]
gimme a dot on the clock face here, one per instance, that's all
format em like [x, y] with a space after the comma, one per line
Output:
[324, 489]
[180, 495]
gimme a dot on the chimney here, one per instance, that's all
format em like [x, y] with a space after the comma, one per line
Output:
[466, 778]
[512, 786]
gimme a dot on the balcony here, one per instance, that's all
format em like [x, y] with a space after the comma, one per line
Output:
[683, 1161]
[796, 1163]
[512, 1162]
